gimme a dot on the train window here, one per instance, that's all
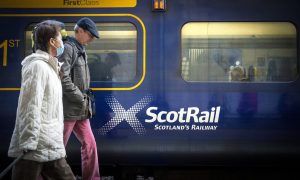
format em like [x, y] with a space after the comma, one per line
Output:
[239, 51]
[113, 57]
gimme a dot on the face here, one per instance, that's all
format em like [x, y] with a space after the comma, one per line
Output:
[55, 43]
[58, 41]
[116, 69]
[85, 37]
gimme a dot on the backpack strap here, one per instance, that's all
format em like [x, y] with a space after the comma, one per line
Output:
[76, 53]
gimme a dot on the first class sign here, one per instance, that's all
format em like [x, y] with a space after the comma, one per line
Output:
[67, 3]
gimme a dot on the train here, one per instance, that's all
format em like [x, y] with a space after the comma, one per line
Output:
[197, 83]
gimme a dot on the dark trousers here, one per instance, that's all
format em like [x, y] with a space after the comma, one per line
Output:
[31, 170]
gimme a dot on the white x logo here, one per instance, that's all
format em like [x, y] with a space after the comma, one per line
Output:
[121, 114]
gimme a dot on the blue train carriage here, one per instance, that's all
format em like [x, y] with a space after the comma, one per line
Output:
[181, 83]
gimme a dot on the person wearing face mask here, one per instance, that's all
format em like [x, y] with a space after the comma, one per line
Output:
[76, 101]
[38, 132]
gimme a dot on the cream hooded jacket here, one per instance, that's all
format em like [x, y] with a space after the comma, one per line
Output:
[39, 118]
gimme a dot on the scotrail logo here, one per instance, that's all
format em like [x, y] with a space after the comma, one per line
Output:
[190, 118]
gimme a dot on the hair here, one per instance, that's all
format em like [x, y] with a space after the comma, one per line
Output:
[76, 28]
[237, 74]
[112, 59]
[43, 32]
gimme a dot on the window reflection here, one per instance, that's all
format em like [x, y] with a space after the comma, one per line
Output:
[264, 51]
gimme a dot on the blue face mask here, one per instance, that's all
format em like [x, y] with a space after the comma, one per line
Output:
[60, 50]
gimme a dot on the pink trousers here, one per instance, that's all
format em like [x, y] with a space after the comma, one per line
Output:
[89, 157]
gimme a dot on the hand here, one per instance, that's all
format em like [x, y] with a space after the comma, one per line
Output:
[84, 97]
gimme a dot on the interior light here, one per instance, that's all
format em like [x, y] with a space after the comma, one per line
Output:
[159, 5]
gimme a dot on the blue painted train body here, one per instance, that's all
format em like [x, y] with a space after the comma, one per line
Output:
[158, 118]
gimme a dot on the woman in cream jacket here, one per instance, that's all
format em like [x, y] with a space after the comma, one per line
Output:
[39, 120]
